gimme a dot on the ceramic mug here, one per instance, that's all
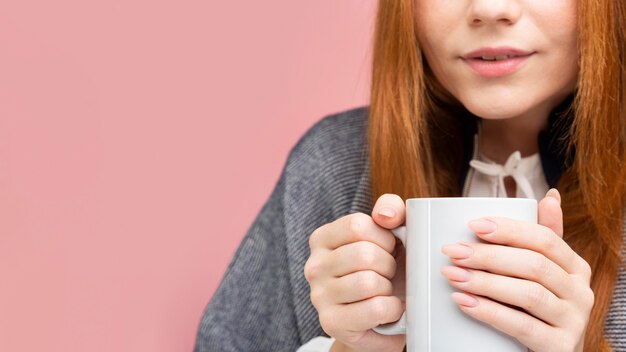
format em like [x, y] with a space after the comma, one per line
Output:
[432, 321]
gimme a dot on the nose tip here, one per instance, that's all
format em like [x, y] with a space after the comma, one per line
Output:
[504, 12]
[479, 21]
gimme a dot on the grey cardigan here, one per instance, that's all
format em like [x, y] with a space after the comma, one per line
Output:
[262, 303]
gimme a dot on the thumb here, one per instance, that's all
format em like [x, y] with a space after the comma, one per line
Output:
[549, 212]
[389, 211]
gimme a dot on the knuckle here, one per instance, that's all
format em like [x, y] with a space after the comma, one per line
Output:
[367, 282]
[513, 227]
[588, 298]
[586, 270]
[393, 267]
[317, 296]
[492, 314]
[539, 266]
[526, 328]
[351, 339]
[357, 224]
[536, 295]
[377, 309]
[315, 236]
[312, 270]
[482, 281]
[549, 241]
[591, 297]
[490, 257]
[328, 322]
[568, 343]
[366, 255]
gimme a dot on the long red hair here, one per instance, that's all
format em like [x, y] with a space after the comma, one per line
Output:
[415, 149]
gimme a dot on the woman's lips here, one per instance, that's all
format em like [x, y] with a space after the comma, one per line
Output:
[496, 68]
[496, 62]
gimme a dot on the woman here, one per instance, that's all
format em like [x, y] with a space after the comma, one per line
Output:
[536, 86]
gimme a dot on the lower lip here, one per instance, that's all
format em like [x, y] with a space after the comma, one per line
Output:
[496, 68]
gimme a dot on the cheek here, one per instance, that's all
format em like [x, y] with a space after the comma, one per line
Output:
[436, 25]
[569, 62]
[435, 21]
[442, 69]
[558, 21]
[563, 36]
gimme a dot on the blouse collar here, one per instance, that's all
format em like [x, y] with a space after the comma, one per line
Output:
[552, 153]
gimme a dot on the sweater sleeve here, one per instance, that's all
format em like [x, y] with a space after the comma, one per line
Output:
[263, 302]
[252, 309]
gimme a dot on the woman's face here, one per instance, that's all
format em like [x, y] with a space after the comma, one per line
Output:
[501, 58]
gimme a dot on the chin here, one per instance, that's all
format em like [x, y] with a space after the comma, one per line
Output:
[494, 110]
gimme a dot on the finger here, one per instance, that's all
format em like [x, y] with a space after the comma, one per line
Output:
[513, 262]
[366, 314]
[359, 256]
[528, 295]
[530, 331]
[369, 338]
[535, 237]
[549, 212]
[389, 211]
[359, 286]
[352, 228]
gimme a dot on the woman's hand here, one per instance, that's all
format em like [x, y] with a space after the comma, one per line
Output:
[528, 266]
[352, 274]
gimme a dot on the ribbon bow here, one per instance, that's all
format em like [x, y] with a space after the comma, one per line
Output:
[510, 168]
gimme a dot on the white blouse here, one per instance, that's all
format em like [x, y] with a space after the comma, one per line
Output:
[487, 177]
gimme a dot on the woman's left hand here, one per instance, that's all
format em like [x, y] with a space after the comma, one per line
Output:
[528, 266]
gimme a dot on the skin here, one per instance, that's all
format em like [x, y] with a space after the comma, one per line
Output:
[514, 107]
[355, 267]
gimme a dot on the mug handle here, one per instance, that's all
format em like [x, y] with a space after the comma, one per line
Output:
[398, 327]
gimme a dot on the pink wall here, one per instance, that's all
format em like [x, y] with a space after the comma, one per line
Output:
[138, 141]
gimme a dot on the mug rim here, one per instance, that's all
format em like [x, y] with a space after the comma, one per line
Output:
[467, 199]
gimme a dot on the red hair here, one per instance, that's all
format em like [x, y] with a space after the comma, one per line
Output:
[413, 123]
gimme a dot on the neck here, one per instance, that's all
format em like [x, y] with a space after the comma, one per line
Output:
[500, 138]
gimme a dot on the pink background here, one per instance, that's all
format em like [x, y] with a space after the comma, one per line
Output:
[138, 141]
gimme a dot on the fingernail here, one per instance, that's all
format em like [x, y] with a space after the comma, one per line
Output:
[463, 299]
[554, 193]
[455, 273]
[387, 212]
[482, 226]
[457, 251]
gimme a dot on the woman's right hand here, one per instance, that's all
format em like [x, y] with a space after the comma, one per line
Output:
[354, 282]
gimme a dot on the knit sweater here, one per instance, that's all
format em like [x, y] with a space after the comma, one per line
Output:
[263, 302]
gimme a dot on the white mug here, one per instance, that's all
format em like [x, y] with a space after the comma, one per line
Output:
[432, 321]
